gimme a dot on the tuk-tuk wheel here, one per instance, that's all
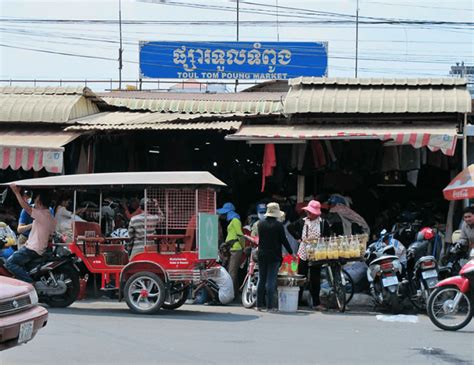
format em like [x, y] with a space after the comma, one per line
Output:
[144, 293]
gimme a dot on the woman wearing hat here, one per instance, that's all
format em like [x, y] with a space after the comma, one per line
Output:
[314, 227]
[272, 237]
[233, 239]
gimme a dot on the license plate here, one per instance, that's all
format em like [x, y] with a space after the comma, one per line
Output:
[26, 332]
[389, 281]
[429, 274]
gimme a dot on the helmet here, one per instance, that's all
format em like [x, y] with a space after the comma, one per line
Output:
[425, 233]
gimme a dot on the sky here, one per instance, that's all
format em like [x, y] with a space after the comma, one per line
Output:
[385, 50]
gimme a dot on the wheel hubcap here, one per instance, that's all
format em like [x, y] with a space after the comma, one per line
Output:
[144, 293]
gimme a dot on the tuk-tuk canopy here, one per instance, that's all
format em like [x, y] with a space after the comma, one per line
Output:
[117, 179]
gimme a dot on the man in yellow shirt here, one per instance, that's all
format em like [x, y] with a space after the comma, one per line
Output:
[234, 239]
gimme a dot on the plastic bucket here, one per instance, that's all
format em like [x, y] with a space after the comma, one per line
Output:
[288, 298]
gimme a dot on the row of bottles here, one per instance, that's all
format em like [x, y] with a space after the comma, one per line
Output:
[333, 248]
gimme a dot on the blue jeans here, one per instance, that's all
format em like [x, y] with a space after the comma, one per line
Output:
[16, 263]
[267, 280]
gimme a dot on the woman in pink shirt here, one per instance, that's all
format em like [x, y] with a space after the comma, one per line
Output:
[42, 228]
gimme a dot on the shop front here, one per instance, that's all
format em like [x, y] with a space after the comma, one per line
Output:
[388, 146]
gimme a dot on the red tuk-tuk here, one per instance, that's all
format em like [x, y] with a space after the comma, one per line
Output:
[175, 253]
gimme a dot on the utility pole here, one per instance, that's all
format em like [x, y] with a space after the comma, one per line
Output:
[238, 19]
[357, 38]
[120, 49]
[238, 37]
[277, 22]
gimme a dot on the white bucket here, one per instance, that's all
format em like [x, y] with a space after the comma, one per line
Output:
[288, 298]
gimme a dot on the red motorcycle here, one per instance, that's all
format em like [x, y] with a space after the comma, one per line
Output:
[451, 304]
[249, 286]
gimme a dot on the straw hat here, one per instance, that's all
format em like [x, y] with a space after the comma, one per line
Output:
[273, 210]
[313, 207]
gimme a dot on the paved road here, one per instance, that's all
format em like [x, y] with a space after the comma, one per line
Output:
[105, 332]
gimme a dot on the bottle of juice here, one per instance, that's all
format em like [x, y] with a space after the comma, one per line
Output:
[324, 249]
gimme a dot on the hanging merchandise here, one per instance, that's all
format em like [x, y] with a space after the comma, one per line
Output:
[269, 162]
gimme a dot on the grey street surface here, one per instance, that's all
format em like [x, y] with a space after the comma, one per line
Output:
[105, 332]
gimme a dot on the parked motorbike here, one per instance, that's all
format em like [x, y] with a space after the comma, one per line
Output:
[384, 275]
[55, 276]
[451, 305]
[249, 286]
[422, 273]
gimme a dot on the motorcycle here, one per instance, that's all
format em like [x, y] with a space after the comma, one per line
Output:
[384, 273]
[56, 276]
[421, 276]
[249, 285]
[451, 305]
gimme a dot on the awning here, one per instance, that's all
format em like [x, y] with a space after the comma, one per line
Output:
[34, 149]
[435, 137]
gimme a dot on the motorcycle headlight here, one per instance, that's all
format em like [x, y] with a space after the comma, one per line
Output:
[33, 297]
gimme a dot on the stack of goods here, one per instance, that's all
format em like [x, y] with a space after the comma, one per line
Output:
[335, 248]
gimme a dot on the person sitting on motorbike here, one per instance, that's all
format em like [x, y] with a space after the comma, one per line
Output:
[466, 241]
[42, 228]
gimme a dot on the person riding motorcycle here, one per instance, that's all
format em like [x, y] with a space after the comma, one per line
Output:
[42, 228]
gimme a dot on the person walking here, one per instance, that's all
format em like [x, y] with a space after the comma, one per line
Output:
[272, 237]
[314, 228]
[233, 240]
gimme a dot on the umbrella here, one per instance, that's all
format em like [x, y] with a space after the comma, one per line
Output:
[462, 186]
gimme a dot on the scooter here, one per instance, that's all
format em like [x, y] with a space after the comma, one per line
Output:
[249, 286]
[384, 274]
[451, 305]
[56, 276]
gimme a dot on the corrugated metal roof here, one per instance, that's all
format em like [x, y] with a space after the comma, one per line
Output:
[448, 81]
[347, 99]
[33, 138]
[44, 108]
[48, 90]
[302, 132]
[221, 103]
[154, 121]
[149, 178]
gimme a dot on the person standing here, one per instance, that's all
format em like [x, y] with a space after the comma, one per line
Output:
[41, 230]
[314, 228]
[272, 237]
[466, 240]
[234, 240]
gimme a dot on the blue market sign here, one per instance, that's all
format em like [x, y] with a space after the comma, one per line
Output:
[233, 60]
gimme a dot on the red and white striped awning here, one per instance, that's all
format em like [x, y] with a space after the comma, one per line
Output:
[435, 137]
[34, 150]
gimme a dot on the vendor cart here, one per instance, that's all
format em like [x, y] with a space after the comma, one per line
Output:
[179, 250]
[332, 254]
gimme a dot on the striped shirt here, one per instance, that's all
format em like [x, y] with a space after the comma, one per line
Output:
[136, 227]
